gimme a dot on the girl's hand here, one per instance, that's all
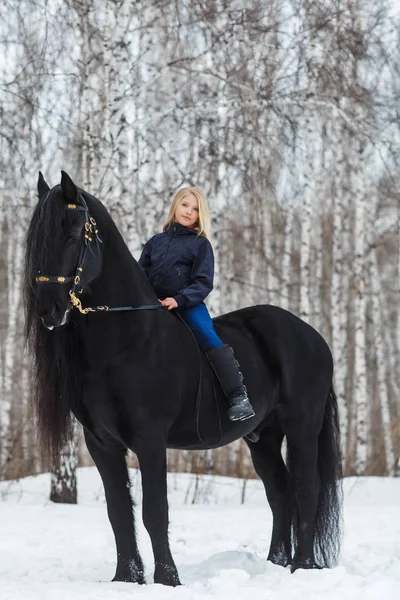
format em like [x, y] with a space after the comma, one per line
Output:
[169, 303]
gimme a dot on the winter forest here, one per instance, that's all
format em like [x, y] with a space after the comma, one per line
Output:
[285, 113]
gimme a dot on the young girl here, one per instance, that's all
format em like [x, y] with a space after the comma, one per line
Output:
[179, 263]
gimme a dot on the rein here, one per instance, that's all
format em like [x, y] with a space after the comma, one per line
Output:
[91, 232]
[198, 394]
[76, 303]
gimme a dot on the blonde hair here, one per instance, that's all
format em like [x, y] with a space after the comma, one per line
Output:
[202, 225]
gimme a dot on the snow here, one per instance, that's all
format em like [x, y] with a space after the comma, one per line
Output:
[60, 552]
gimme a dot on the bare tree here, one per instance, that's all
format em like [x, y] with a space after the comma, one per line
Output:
[285, 113]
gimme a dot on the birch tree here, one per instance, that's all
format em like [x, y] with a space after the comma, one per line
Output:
[63, 476]
[20, 149]
[359, 196]
[377, 306]
[272, 109]
[339, 277]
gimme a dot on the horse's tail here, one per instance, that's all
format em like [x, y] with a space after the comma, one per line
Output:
[327, 532]
[329, 513]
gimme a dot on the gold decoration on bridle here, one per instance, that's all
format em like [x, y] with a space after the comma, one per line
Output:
[90, 228]
[76, 303]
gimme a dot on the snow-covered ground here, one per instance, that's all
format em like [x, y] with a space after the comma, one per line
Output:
[60, 552]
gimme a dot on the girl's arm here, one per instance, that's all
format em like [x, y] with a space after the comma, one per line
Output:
[145, 258]
[202, 276]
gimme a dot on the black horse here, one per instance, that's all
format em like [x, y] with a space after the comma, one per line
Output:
[131, 378]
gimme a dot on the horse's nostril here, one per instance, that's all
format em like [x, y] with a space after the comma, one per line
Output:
[51, 327]
[55, 310]
[52, 316]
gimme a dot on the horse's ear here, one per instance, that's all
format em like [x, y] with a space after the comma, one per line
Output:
[42, 186]
[69, 189]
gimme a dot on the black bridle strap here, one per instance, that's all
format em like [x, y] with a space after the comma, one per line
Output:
[143, 307]
[126, 308]
[53, 279]
[90, 232]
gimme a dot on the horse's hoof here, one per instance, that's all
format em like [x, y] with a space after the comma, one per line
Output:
[129, 574]
[280, 559]
[129, 579]
[170, 581]
[304, 564]
[167, 576]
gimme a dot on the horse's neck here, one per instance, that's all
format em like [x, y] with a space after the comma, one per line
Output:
[122, 281]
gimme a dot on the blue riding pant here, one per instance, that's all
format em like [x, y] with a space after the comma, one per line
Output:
[199, 321]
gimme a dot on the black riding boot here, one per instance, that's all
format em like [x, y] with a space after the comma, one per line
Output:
[226, 369]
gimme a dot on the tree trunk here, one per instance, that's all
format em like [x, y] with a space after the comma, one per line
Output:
[307, 190]
[338, 279]
[360, 366]
[377, 318]
[63, 477]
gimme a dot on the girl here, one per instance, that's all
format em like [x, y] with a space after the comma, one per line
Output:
[179, 263]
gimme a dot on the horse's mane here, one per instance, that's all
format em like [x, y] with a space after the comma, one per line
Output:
[55, 354]
[57, 360]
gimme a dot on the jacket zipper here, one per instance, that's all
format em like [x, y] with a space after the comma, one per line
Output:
[166, 254]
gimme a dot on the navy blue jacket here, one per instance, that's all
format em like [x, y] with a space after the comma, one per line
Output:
[179, 264]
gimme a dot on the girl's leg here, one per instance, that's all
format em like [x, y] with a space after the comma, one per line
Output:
[202, 326]
[222, 360]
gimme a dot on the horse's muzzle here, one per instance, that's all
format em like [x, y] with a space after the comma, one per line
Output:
[55, 317]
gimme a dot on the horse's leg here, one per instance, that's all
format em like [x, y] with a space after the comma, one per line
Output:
[114, 473]
[153, 467]
[303, 468]
[271, 469]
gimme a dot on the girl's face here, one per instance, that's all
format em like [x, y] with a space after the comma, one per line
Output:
[187, 211]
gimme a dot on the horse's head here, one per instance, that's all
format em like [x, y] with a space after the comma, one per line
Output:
[64, 252]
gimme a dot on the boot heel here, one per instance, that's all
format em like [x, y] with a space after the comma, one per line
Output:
[236, 413]
[240, 409]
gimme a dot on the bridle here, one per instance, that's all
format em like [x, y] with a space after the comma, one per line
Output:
[91, 236]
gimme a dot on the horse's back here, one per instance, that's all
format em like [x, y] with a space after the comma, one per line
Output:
[291, 348]
[273, 323]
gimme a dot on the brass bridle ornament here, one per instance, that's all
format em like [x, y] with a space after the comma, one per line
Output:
[91, 235]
